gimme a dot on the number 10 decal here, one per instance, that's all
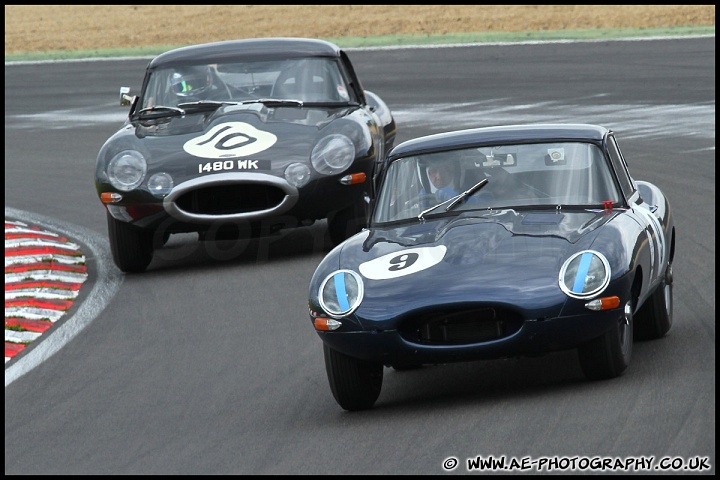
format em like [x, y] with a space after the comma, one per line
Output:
[404, 262]
[230, 140]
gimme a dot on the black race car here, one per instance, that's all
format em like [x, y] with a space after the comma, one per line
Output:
[240, 139]
[497, 242]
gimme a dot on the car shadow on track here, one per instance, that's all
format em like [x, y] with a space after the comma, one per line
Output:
[186, 251]
[483, 380]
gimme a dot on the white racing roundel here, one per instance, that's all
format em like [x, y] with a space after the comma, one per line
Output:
[404, 262]
[230, 140]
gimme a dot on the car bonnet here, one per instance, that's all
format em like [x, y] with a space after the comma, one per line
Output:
[504, 256]
[180, 144]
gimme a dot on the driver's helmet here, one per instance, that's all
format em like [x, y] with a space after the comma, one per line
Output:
[191, 81]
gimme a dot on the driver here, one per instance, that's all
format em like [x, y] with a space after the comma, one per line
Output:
[192, 83]
[441, 178]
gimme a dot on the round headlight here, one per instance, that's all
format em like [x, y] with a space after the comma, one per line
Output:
[160, 184]
[297, 174]
[341, 293]
[126, 170]
[585, 274]
[333, 154]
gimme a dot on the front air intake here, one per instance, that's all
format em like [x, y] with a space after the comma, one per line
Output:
[461, 326]
[230, 199]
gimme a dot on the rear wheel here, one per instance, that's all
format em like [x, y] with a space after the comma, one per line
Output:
[654, 318]
[354, 383]
[131, 247]
[609, 355]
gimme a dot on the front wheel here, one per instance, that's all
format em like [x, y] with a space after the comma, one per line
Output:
[609, 355]
[354, 383]
[654, 318]
[131, 247]
[345, 223]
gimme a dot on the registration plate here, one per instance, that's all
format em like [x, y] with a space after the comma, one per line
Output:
[233, 165]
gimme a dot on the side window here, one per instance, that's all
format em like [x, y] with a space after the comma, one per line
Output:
[154, 93]
[618, 163]
[398, 196]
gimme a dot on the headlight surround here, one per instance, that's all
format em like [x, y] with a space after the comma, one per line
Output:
[341, 293]
[585, 274]
[297, 174]
[160, 184]
[333, 154]
[127, 170]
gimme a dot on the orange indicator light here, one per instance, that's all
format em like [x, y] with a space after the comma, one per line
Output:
[353, 178]
[605, 303]
[326, 324]
[110, 197]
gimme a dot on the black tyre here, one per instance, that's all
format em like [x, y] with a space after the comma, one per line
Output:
[609, 355]
[160, 240]
[406, 367]
[654, 318]
[131, 247]
[354, 383]
[345, 223]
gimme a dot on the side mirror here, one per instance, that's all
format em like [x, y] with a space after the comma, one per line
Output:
[125, 98]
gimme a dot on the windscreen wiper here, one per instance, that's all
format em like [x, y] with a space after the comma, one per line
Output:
[161, 111]
[456, 199]
[205, 104]
[467, 193]
[275, 102]
[182, 108]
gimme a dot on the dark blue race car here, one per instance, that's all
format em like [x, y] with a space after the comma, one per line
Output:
[497, 242]
[242, 139]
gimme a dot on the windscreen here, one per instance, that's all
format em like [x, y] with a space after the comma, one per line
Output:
[307, 80]
[524, 175]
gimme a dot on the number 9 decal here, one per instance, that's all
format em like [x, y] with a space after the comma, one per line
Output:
[405, 262]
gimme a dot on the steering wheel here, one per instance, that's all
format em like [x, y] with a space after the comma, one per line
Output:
[415, 205]
[422, 200]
